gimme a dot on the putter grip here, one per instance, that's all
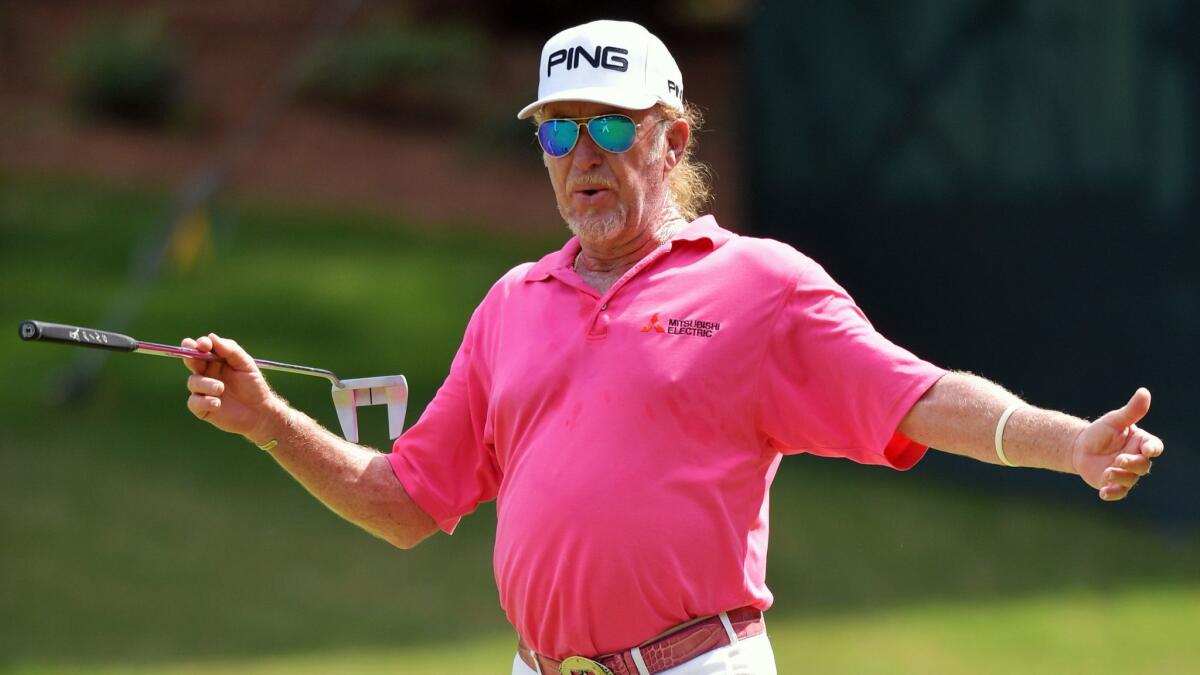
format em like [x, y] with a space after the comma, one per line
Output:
[76, 335]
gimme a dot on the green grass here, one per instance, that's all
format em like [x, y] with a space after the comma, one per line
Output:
[1064, 633]
[134, 539]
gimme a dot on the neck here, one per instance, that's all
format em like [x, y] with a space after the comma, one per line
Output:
[615, 256]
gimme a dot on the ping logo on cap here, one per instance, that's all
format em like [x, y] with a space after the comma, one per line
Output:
[615, 63]
[610, 58]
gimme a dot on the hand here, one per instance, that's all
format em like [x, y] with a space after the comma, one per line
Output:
[1112, 453]
[231, 394]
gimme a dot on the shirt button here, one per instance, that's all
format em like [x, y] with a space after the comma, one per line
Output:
[604, 306]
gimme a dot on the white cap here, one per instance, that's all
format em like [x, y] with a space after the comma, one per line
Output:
[614, 62]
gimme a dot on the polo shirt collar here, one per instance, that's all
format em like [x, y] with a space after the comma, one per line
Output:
[704, 227]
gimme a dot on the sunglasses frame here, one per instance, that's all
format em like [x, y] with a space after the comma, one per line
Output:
[584, 122]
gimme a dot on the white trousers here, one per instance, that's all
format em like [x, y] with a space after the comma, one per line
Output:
[751, 656]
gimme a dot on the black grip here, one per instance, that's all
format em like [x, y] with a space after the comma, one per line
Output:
[77, 335]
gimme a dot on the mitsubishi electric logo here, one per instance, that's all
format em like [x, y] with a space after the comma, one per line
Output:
[693, 327]
[609, 58]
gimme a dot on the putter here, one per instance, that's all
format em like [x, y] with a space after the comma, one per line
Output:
[348, 395]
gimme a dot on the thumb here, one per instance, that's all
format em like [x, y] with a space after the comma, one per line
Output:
[1131, 412]
[232, 353]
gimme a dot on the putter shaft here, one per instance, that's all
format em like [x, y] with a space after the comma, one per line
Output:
[101, 339]
[185, 353]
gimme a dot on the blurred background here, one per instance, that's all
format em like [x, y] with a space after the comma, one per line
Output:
[1005, 187]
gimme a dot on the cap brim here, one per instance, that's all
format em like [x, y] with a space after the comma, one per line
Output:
[608, 95]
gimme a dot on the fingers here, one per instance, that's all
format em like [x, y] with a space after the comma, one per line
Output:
[231, 353]
[194, 365]
[202, 405]
[1114, 477]
[207, 383]
[1136, 463]
[1111, 493]
[205, 390]
[1117, 483]
[1129, 466]
[208, 386]
[1150, 446]
[1139, 442]
[1131, 412]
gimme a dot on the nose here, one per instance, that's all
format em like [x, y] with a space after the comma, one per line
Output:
[586, 155]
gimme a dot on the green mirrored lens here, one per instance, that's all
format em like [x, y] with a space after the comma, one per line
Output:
[614, 133]
[557, 137]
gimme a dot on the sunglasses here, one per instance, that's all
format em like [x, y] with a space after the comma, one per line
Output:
[613, 133]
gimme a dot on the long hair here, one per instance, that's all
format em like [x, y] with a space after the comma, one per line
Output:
[689, 179]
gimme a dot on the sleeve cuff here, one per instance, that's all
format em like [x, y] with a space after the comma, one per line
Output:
[422, 497]
[901, 452]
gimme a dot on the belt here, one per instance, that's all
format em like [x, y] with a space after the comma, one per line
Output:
[678, 645]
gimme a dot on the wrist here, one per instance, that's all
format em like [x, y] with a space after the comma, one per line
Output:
[1076, 447]
[271, 424]
[1063, 435]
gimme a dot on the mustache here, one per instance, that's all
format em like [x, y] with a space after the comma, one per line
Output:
[590, 182]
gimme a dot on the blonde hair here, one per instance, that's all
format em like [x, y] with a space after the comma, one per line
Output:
[689, 178]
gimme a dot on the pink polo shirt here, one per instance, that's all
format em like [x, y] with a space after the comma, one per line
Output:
[629, 439]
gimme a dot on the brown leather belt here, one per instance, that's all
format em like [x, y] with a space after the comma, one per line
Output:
[678, 645]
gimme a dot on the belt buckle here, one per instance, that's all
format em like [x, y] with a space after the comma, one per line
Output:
[577, 665]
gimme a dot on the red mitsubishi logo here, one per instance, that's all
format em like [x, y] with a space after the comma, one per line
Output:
[654, 325]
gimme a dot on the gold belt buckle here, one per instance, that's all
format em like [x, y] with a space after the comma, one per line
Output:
[577, 665]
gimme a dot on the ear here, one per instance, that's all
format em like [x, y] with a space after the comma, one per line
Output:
[678, 134]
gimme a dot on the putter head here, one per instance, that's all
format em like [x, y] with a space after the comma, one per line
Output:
[390, 390]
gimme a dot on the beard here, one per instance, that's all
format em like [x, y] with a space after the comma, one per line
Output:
[603, 226]
[596, 226]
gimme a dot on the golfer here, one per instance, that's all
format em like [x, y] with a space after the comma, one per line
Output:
[627, 400]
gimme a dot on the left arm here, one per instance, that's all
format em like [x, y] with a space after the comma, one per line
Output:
[960, 412]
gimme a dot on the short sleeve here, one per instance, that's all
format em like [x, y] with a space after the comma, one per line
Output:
[832, 385]
[444, 461]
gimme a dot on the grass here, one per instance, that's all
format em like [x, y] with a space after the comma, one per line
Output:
[1065, 633]
[133, 539]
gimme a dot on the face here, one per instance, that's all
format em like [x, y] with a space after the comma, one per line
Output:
[605, 196]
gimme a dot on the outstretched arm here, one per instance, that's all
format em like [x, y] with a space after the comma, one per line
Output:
[355, 482]
[959, 414]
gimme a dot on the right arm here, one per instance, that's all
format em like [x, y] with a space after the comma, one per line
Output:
[355, 482]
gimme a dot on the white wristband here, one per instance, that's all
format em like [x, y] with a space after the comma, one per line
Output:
[1000, 432]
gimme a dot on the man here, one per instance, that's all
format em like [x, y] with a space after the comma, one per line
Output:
[627, 399]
